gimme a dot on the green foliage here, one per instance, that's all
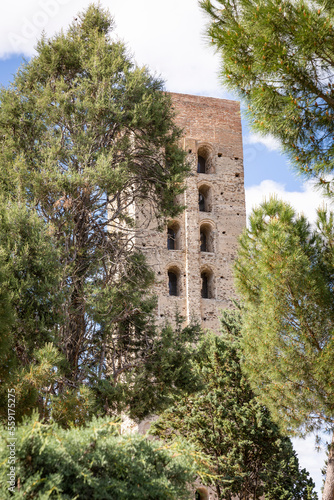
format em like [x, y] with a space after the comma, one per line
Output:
[248, 456]
[94, 462]
[30, 276]
[148, 386]
[30, 271]
[85, 134]
[284, 273]
[278, 56]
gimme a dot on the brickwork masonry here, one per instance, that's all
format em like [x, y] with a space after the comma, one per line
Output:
[205, 235]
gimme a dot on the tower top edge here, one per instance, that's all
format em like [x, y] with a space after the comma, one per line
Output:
[200, 98]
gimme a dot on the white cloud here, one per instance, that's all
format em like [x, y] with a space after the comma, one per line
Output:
[310, 459]
[166, 36]
[306, 202]
[268, 141]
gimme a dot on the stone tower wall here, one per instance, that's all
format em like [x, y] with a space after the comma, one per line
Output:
[212, 128]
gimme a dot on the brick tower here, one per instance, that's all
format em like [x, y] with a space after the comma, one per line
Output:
[192, 258]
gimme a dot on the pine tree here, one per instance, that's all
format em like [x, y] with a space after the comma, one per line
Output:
[29, 280]
[249, 457]
[284, 273]
[85, 134]
[278, 56]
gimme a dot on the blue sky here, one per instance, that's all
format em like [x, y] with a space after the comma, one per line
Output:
[169, 38]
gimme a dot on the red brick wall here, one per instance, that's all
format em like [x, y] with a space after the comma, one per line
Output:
[211, 120]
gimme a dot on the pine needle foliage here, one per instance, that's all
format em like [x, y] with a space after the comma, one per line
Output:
[284, 273]
[95, 462]
[249, 458]
[278, 56]
[30, 302]
[148, 380]
[85, 134]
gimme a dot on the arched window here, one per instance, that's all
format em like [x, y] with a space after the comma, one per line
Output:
[206, 238]
[201, 165]
[203, 241]
[201, 202]
[173, 236]
[204, 159]
[205, 286]
[172, 283]
[201, 494]
[207, 290]
[171, 239]
[204, 198]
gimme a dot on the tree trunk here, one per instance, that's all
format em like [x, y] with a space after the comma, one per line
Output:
[328, 493]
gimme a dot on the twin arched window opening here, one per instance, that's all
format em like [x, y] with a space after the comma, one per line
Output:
[207, 284]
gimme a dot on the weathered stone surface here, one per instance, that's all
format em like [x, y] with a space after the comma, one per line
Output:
[212, 129]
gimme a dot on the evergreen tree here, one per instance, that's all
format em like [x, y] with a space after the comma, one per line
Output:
[29, 279]
[278, 55]
[284, 273]
[95, 462]
[249, 457]
[149, 378]
[84, 135]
